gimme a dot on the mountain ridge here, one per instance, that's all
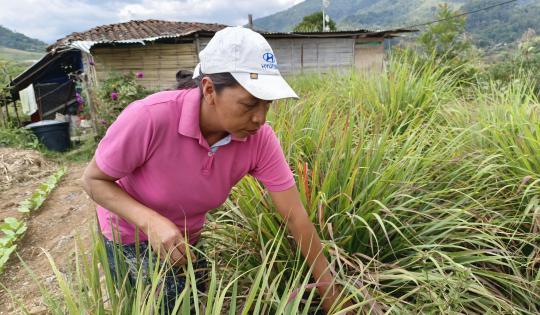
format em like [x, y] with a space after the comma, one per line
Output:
[19, 41]
[501, 24]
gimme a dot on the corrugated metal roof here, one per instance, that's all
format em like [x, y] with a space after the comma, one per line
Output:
[135, 31]
[141, 31]
[340, 33]
[359, 31]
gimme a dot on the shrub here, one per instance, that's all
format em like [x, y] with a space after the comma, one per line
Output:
[115, 93]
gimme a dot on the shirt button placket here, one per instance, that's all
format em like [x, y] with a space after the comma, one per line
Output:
[208, 163]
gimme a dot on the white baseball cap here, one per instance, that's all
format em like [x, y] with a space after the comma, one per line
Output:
[248, 57]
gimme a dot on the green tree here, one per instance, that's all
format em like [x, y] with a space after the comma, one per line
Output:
[314, 23]
[446, 39]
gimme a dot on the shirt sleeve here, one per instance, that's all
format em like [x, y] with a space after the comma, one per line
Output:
[126, 143]
[271, 168]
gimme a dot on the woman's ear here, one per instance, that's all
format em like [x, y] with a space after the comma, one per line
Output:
[208, 90]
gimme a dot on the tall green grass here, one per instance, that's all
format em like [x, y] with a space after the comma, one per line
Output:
[416, 212]
[424, 192]
[88, 288]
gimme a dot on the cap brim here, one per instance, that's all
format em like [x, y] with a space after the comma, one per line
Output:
[266, 86]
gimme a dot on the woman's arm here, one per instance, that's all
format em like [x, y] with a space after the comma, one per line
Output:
[162, 232]
[290, 207]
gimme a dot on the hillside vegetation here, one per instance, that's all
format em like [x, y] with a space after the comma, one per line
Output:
[501, 24]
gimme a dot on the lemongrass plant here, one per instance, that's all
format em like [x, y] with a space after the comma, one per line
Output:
[88, 287]
[415, 215]
[425, 196]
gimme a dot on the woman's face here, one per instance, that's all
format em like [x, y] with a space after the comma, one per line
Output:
[238, 112]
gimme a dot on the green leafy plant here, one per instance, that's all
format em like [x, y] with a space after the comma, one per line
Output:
[40, 194]
[12, 136]
[12, 228]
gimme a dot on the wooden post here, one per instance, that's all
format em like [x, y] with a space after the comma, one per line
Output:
[197, 46]
[317, 50]
[16, 113]
[302, 57]
[38, 102]
[250, 21]
[6, 105]
[2, 104]
[86, 88]
[291, 44]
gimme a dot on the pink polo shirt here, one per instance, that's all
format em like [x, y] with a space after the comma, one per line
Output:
[156, 150]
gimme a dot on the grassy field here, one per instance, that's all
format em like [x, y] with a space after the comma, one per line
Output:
[424, 189]
[20, 56]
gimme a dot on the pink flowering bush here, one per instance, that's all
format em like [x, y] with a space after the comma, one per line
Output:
[117, 92]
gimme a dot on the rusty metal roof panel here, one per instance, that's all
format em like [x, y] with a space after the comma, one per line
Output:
[341, 33]
[136, 31]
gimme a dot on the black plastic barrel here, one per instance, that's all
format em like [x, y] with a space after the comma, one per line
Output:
[53, 134]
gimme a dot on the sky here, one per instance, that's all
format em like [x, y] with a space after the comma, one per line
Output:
[49, 20]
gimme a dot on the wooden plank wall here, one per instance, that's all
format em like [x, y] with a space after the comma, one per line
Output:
[296, 55]
[369, 54]
[158, 61]
[203, 41]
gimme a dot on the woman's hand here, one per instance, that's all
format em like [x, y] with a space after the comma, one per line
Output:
[290, 207]
[164, 236]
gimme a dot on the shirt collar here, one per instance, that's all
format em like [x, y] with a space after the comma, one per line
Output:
[189, 116]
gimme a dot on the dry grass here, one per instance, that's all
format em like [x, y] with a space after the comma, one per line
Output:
[20, 165]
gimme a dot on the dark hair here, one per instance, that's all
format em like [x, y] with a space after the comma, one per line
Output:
[222, 80]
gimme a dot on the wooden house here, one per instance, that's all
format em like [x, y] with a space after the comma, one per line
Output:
[159, 49]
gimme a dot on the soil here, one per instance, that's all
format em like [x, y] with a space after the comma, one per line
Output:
[67, 212]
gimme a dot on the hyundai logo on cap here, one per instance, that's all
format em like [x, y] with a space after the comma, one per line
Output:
[269, 57]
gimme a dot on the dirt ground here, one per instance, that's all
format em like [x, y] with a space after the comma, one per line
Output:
[68, 211]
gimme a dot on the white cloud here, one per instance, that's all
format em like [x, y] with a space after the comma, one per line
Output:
[219, 11]
[53, 19]
[50, 20]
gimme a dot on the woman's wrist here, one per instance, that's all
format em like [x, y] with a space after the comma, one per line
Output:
[144, 218]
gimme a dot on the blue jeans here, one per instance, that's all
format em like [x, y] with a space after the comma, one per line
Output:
[173, 279]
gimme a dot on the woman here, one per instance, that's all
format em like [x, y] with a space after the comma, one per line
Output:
[173, 156]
